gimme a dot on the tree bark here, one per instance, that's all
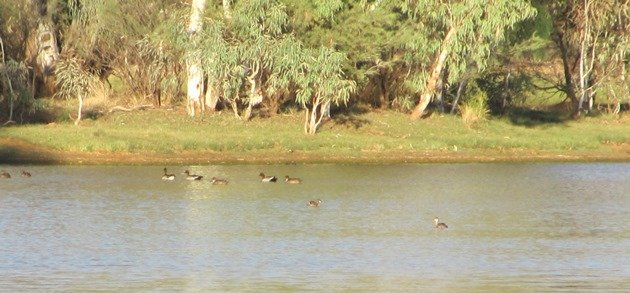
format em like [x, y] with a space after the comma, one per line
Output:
[569, 87]
[78, 120]
[460, 89]
[195, 73]
[211, 98]
[227, 9]
[506, 92]
[436, 73]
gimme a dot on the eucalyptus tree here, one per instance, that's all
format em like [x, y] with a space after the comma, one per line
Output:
[240, 54]
[74, 80]
[321, 83]
[593, 39]
[194, 70]
[454, 34]
[372, 40]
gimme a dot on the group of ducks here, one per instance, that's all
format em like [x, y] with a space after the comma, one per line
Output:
[263, 178]
[5, 174]
[271, 179]
[218, 181]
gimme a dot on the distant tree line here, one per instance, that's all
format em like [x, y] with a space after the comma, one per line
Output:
[261, 57]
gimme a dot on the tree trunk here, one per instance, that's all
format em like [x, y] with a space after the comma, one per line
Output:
[430, 86]
[9, 84]
[212, 97]
[440, 91]
[314, 116]
[506, 92]
[78, 120]
[383, 97]
[460, 89]
[227, 9]
[195, 73]
[568, 75]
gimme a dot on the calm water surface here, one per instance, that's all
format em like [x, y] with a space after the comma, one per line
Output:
[512, 227]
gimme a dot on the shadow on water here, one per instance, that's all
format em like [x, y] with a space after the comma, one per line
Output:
[530, 117]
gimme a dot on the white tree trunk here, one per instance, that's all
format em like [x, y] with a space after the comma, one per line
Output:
[431, 84]
[227, 9]
[195, 73]
[314, 116]
[78, 120]
[212, 97]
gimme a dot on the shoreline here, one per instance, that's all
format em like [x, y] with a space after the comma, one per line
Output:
[17, 152]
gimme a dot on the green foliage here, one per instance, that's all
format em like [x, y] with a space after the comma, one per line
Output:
[72, 79]
[321, 76]
[475, 107]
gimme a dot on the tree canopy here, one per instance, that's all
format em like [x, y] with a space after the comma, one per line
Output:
[262, 57]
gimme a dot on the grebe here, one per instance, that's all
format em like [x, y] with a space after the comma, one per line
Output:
[4, 174]
[264, 178]
[439, 225]
[314, 203]
[168, 176]
[192, 176]
[219, 181]
[290, 180]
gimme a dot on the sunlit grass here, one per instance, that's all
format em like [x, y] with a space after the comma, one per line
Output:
[167, 131]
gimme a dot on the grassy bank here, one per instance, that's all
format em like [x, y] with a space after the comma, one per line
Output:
[169, 136]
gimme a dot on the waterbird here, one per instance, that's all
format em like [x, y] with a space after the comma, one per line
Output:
[439, 225]
[192, 176]
[314, 203]
[219, 181]
[168, 176]
[4, 174]
[290, 180]
[264, 178]
[26, 174]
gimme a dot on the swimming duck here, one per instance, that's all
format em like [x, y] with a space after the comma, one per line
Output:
[264, 178]
[4, 174]
[439, 225]
[168, 176]
[290, 180]
[314, 203]
[26, 174]
[192, 176]
[219, 181]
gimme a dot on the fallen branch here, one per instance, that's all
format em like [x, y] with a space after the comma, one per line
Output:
[123, 109]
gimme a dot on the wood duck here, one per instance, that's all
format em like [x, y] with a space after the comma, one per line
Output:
[168, 176]
[4, 174]
[192, 176]
[219, 181]
[290, 180]
[439, 225]
[264, 178]
[314, 203]
[26, 174]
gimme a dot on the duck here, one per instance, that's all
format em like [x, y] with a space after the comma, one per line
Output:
[314, 203]
[168, 176]
[219, 181]
[4, 174]
[290, 180]
[264, 178]
[26, 174]
[439, 225]
[192, 176]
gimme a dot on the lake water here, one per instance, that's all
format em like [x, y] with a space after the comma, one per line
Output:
[512, 227]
